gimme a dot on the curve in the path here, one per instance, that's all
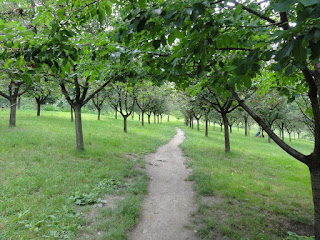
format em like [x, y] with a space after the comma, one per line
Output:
[170, 201]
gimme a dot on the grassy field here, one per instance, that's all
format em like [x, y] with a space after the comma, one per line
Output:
[49, 190]
[256, 191]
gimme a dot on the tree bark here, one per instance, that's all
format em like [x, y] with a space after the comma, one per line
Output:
[125, 123]
[78, 123]
[168, 118]
[230, 126]
[290, 137]
[226, 133]
[142, 118]
[13, 112]
[154, 118]
[246, 126]
[149, 118]
[116, 115]
[198, 125]
[99, 113]
[158, 119]
[282, 130]
[206, 133]
[38, 107]
[19, 102]
[315, 183]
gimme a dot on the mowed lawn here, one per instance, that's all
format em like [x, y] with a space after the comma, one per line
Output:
[42, 174]
[258, 191]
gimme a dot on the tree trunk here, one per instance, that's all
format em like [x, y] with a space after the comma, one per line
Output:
[78, 122]
[38, 108]
[154, 118]
[158, 119]
[116, 115]
[315, 183]
[19, 102]
[221, 127]
[142, 118]
[71, 111]
[198, 127]
[226, 133]
[132, 115]
[161, 118]
[125, 123]
[290, 137]
[99, 113]
[230, 126]
[192, 124]
[13, 112]
[246, 126]
[298, 135]
[214, 126]
[282, 130]
[168, 118]
[294, 136]
[206, 128]
[139, 117]
[149, 118]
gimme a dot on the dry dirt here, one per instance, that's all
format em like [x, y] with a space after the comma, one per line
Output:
[170, 199]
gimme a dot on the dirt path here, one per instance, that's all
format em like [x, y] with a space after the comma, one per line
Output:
[169, 202]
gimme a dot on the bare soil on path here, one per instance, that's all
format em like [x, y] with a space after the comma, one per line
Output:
[170, 199]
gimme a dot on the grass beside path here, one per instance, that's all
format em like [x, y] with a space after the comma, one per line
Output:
[43, 176]
[257, 190]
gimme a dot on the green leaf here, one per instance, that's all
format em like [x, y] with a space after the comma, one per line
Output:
[8, 63]
[237, 11]
[308, 3]
[283, 6]
[171, 38]
[142, 3]
[299, 52]
[156, 44]
[26, 78]
[285, 51]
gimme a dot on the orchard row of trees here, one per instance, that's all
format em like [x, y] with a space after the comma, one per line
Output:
[219, 46]
[210, 106]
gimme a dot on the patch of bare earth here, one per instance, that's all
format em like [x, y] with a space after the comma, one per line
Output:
[170, 200]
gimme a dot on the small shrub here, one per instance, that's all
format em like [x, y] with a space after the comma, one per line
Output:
[84, 199]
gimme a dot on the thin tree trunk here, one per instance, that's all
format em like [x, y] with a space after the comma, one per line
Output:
[230, 126]
[206, 128]
[154, 118]
[221, 127]
[158, 119]
[192, 124]
[149, 118]
[161, 118]
[214, 126]
[125, 123]
[290, 137]
[226, 133]
[19, 102]
[168, 118]
[71, 111]
[282, 130]
[13, 113]
[78, 123]
[99, 113]
[298, 135]
[198, 125]
[132, 115]
[246, 126]
[116, 115]
[315, 183]
[38, 108]
[139, 117]
[142, 118]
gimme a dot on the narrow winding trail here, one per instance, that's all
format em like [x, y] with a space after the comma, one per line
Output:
[169, 202]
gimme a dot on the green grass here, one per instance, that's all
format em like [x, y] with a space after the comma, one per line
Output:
[41, 170]
[265, 193]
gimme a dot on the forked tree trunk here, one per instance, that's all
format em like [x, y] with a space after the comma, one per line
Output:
[206, 133]
[226, 133]
[71, 111]
[13, 112]
[78, 123]
[315, 183]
